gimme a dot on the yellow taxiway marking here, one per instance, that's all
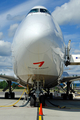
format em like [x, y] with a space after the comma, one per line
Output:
[40, 118]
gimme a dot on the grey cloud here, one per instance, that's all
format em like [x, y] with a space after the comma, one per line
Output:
[12, 30]
[15, 18]
[7, 72]
[77, 51]
[6, 65]
[5, 48]
[9, 17]
[1, 35]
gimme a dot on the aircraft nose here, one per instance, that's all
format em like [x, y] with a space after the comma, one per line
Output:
[38, 38]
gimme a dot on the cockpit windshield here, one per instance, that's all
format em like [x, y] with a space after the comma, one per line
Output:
[34, 11]
[40, 10]
[45, 11]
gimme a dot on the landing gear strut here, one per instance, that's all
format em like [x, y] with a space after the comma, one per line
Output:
[67, 95]
[48, 94]
[42, 100]
[37, 96]
[33, 100]
[9, 94]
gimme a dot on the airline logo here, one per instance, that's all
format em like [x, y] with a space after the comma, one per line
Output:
[77, 57]
[40, 63]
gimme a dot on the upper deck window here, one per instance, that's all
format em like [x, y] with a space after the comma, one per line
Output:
[34, 11]
[45, 11]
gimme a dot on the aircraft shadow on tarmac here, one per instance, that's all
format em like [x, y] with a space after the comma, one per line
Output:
[16, 98]
[63, 105]
[65, 110]
[58, 104]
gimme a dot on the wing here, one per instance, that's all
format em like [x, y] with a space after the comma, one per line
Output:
[69, 79]
[12, 78]
[6, 77]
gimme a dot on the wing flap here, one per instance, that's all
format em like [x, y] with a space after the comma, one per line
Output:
[69, 79]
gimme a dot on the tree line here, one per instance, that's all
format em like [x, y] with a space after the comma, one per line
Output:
[3, 85]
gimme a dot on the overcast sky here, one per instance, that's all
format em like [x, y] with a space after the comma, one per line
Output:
[12, 12]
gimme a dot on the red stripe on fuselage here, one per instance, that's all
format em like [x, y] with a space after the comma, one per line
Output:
[40, 63]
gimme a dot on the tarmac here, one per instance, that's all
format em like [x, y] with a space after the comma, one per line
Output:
[60, 110]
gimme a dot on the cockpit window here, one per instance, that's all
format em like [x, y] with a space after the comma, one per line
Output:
[45, 11]
[34, 11]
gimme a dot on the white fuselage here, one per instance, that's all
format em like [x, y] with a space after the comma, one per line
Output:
[38, 49]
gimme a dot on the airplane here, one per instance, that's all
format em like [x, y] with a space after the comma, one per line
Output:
[40, 55]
